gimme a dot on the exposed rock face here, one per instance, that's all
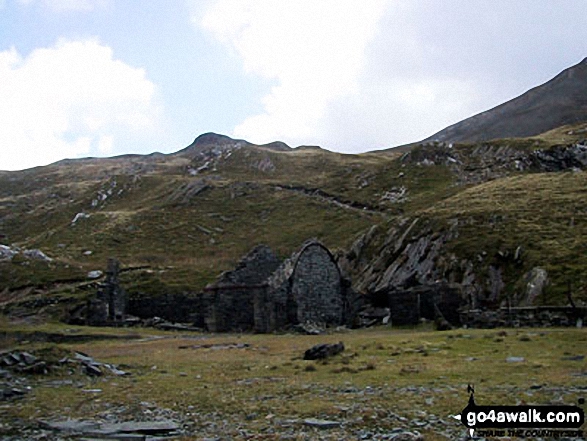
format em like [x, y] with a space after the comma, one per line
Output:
[485, 162]
[413, 276]
[537, 280]
[262, 295]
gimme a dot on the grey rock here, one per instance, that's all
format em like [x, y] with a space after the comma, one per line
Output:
[309, 328]
[78, 426]
[96, 274]
[407, 436]
[83, 358]
[117, 371]
[125, 430]
[574, 358]
[79, 216]
[537, 279]
[324, 350]
[321, 424]
[6, 253]
[28, 358]
[93, 370]
[37, 368]
[515, 359]
[141, 427]
[36, 255]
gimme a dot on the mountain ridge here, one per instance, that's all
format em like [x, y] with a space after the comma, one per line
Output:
[560, 101]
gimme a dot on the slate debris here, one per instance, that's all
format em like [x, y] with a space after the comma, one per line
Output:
[321, 424]
[123, 430]
[324, 350]
[94, 368]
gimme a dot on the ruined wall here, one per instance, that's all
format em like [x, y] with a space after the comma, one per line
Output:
[175, 307]
[253, 269]
[263, 295]
[109, 305]
[408, 306]
[527, 317]
[316, 287]
[232, 309]
[230, 302]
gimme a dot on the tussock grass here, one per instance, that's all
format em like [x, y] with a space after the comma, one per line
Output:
[382, 370]
[545, 214]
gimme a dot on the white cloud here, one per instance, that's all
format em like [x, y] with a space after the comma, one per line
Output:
[352, 76]
[70, 100]
[315, 50]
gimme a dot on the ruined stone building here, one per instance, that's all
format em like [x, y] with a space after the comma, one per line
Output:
[263, 295]
[108, 307]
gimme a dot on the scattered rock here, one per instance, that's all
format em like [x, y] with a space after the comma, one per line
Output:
[309, 328]
[6, 253]
[218, 346]
[93, 370]
[407, 436]
[321, 424]
[324, 350]
[537, 280]
[95, 274]
[168, 326]
[79, 216]
[396, 195]
[515, 359]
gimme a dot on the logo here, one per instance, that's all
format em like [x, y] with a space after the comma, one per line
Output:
[522, 421]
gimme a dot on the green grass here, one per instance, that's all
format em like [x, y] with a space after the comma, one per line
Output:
[398, 370]
[187, 243]
[545, 214]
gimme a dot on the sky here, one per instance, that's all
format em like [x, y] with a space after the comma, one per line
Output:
[101, 78]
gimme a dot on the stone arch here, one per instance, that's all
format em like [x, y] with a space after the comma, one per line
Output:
[317, 286]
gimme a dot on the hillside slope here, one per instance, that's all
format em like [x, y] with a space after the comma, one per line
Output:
[478, 216]
[560, 101]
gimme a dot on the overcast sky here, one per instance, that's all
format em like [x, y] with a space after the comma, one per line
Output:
[106, 77]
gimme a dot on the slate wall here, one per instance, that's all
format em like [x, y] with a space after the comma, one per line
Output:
[316, 287]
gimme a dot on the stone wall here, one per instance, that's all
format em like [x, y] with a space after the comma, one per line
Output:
[229, 304]
[407, 306]
[263, 296]
[109, 305]
[317, 287]
[231, 308]
[530, 317]
[177, 307]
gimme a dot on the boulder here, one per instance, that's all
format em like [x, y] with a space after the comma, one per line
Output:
[324, 350]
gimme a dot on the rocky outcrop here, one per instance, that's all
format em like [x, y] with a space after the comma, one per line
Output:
[489, 161]
[8, 253]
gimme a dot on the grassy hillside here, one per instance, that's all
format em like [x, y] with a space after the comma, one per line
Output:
[544, 214]
[177, 221]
